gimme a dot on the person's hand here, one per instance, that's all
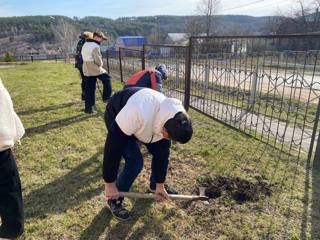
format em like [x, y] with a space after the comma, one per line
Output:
[111, 191]
[161, 193]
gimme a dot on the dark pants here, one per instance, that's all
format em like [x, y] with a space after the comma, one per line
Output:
[11, 204]
[134, 164]
[91, 89]
[83, 84]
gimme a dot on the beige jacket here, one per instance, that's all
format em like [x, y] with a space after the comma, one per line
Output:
[92, 59]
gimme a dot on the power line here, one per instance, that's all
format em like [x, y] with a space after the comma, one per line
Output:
[244, 5]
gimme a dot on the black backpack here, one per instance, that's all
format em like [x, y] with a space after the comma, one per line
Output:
[78, 56]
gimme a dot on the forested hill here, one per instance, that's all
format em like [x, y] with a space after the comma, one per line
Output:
[19, 33]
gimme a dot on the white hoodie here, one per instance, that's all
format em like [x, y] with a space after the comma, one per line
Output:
[145, 114]
[11, 128]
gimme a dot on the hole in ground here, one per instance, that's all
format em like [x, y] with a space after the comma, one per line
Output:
[240, 190]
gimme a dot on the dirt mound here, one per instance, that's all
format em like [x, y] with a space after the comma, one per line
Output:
[240, 190]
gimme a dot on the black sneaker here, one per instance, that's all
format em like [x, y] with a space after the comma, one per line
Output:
[90, 111]
[117, 210]
[170, 190]
[93, 109]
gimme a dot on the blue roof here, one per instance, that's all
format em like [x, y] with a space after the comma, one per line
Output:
[132, 40]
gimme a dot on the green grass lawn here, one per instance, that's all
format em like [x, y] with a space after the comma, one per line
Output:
[60, 161]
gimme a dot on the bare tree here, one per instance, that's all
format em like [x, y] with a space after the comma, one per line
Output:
[303, 18]
[66, 34]
[208, 8]
[194, 26]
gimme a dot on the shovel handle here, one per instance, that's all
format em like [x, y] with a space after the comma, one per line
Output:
[171, 196]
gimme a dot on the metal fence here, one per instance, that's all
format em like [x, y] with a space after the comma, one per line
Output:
[42, 57]
[267, 87]
[174, 57]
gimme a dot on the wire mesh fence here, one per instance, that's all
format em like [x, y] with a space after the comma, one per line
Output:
[174, 57]
[267, 87]
[41, 57]
[111, 61]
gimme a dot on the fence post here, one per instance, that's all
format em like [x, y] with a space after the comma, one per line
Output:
[206, 77]
[188, 75]
[120, 65]
[177, 73]
[253, 91]
[316, 160]
[108, 66]
[143, 59]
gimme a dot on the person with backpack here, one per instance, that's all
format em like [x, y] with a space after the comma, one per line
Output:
[11, 203]
[146, 115]
[79, 61]
[93, 69]
[150, 78]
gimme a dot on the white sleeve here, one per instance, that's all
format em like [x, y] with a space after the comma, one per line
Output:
[19, 127]
[129, 120]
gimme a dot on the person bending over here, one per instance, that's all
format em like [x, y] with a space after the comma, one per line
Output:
[148, 116]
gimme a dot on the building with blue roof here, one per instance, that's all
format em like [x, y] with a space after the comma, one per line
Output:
[130, 41]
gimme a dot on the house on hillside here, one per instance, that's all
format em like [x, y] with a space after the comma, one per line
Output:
[234, 46]
[172, 39]
[177, 38]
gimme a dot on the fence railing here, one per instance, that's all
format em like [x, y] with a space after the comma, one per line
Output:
[42, 57]
[265, 86]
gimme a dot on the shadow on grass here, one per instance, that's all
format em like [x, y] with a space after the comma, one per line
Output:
[67, 191]
[121, 229]
[315, 207]
[314, 211]
[97, 226]
[59, 124]
[140, 208]
[48, 108]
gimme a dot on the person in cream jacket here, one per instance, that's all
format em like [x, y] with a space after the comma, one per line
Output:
[11, 204]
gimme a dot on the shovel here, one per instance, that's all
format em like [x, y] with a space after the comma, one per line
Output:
[201, 196]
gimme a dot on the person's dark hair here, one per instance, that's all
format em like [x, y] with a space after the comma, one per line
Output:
[179, 128]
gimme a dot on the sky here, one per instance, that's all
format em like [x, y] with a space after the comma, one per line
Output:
[126, 8]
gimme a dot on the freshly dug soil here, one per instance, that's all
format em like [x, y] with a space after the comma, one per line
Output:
[240, 190]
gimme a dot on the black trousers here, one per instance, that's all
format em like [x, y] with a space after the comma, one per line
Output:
[11, 204]
[83, 84]
[90, 98]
